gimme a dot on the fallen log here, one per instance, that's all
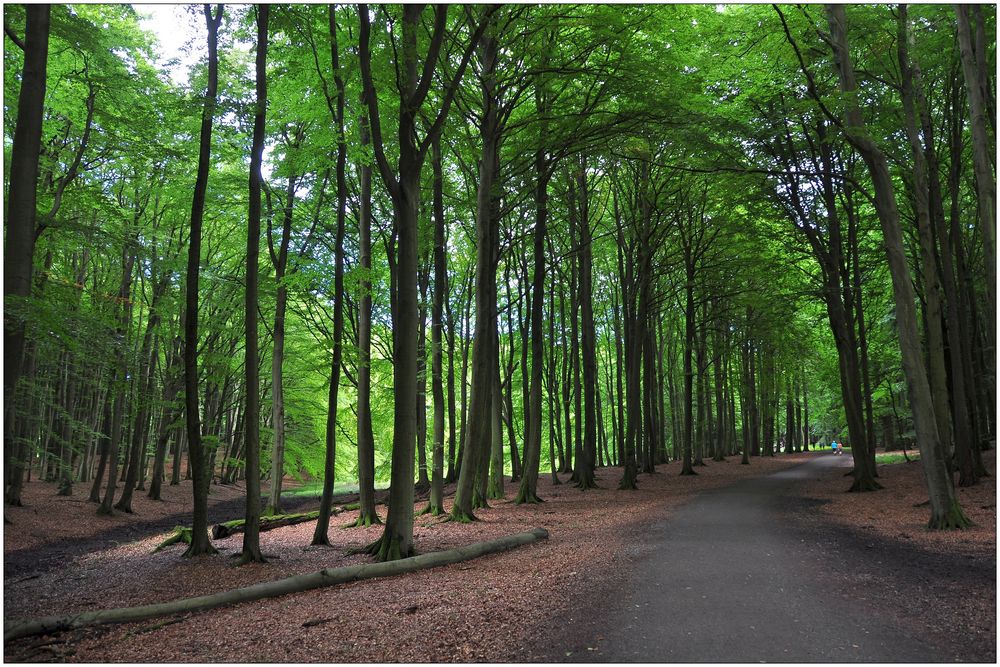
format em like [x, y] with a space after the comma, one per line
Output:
[181, 534]
[268, 589]
[228, 528]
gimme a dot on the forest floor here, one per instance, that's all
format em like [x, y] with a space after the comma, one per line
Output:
[499, 608]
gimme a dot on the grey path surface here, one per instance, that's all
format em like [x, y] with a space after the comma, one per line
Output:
[724, 580]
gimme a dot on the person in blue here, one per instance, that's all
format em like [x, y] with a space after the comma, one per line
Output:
[833, 447]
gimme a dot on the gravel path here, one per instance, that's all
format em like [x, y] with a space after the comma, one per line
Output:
[729, 578]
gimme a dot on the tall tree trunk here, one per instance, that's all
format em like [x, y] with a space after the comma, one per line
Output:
[171, 387]
[423, 482]
[982, 147]
[196, 452]
[121, 334]
[367, 515]
[19, 248]
[278, 355]
[936, 372]
[689, 343]
[250, 552]
[584, 471]
[945, 509]
[435, 506]
[397, 539]
[484, 361]
[932, 299]
[495, 488]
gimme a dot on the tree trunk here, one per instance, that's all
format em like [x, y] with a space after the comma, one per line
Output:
[196, 452]
[435, 506]
[121, 334]
[250, 552]
[584, 471]
[19, 227]
[423, 481]
[982, 148]
[278, 355]
[484, 361]
[945, 509]
[366, 438]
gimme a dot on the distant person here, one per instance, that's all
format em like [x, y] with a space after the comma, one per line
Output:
[833, 446]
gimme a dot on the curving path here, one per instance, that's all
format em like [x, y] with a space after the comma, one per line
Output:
[727, 579]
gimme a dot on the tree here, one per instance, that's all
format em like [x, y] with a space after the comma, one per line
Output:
[251, 413]
[403, 186]
[945, 509]
[19, 248]
[196, 451]
[322, 524]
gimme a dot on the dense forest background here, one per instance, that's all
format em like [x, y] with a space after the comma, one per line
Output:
[453, 244]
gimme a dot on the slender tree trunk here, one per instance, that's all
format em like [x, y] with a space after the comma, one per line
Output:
[250, 552]
[168, 419]
[528, 491]
[423, 482]
[367, 515]
[196, 453]
[278, 356]
[435, 506]
[689, 342]
[121, 333]
[584, 471]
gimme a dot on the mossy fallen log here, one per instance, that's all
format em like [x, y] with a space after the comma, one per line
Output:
[228, 528]
[181, 534]
[15, 629]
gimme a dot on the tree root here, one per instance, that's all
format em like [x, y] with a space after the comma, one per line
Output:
[385, 549]
[205, 550]
[365, 521]
[953, 519]
[433, 510]
[251, 556]
[527, 499]
[865, 486]
[268, 589]
[461, 516]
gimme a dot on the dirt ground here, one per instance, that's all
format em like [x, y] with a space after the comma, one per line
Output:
[492, 609]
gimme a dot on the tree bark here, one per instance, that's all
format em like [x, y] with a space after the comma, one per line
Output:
[320, 536]
[484, 361]
[250, 552]
[584, 471]
[19, 248]
[200, 543]
[435, 506]
[366, 438]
